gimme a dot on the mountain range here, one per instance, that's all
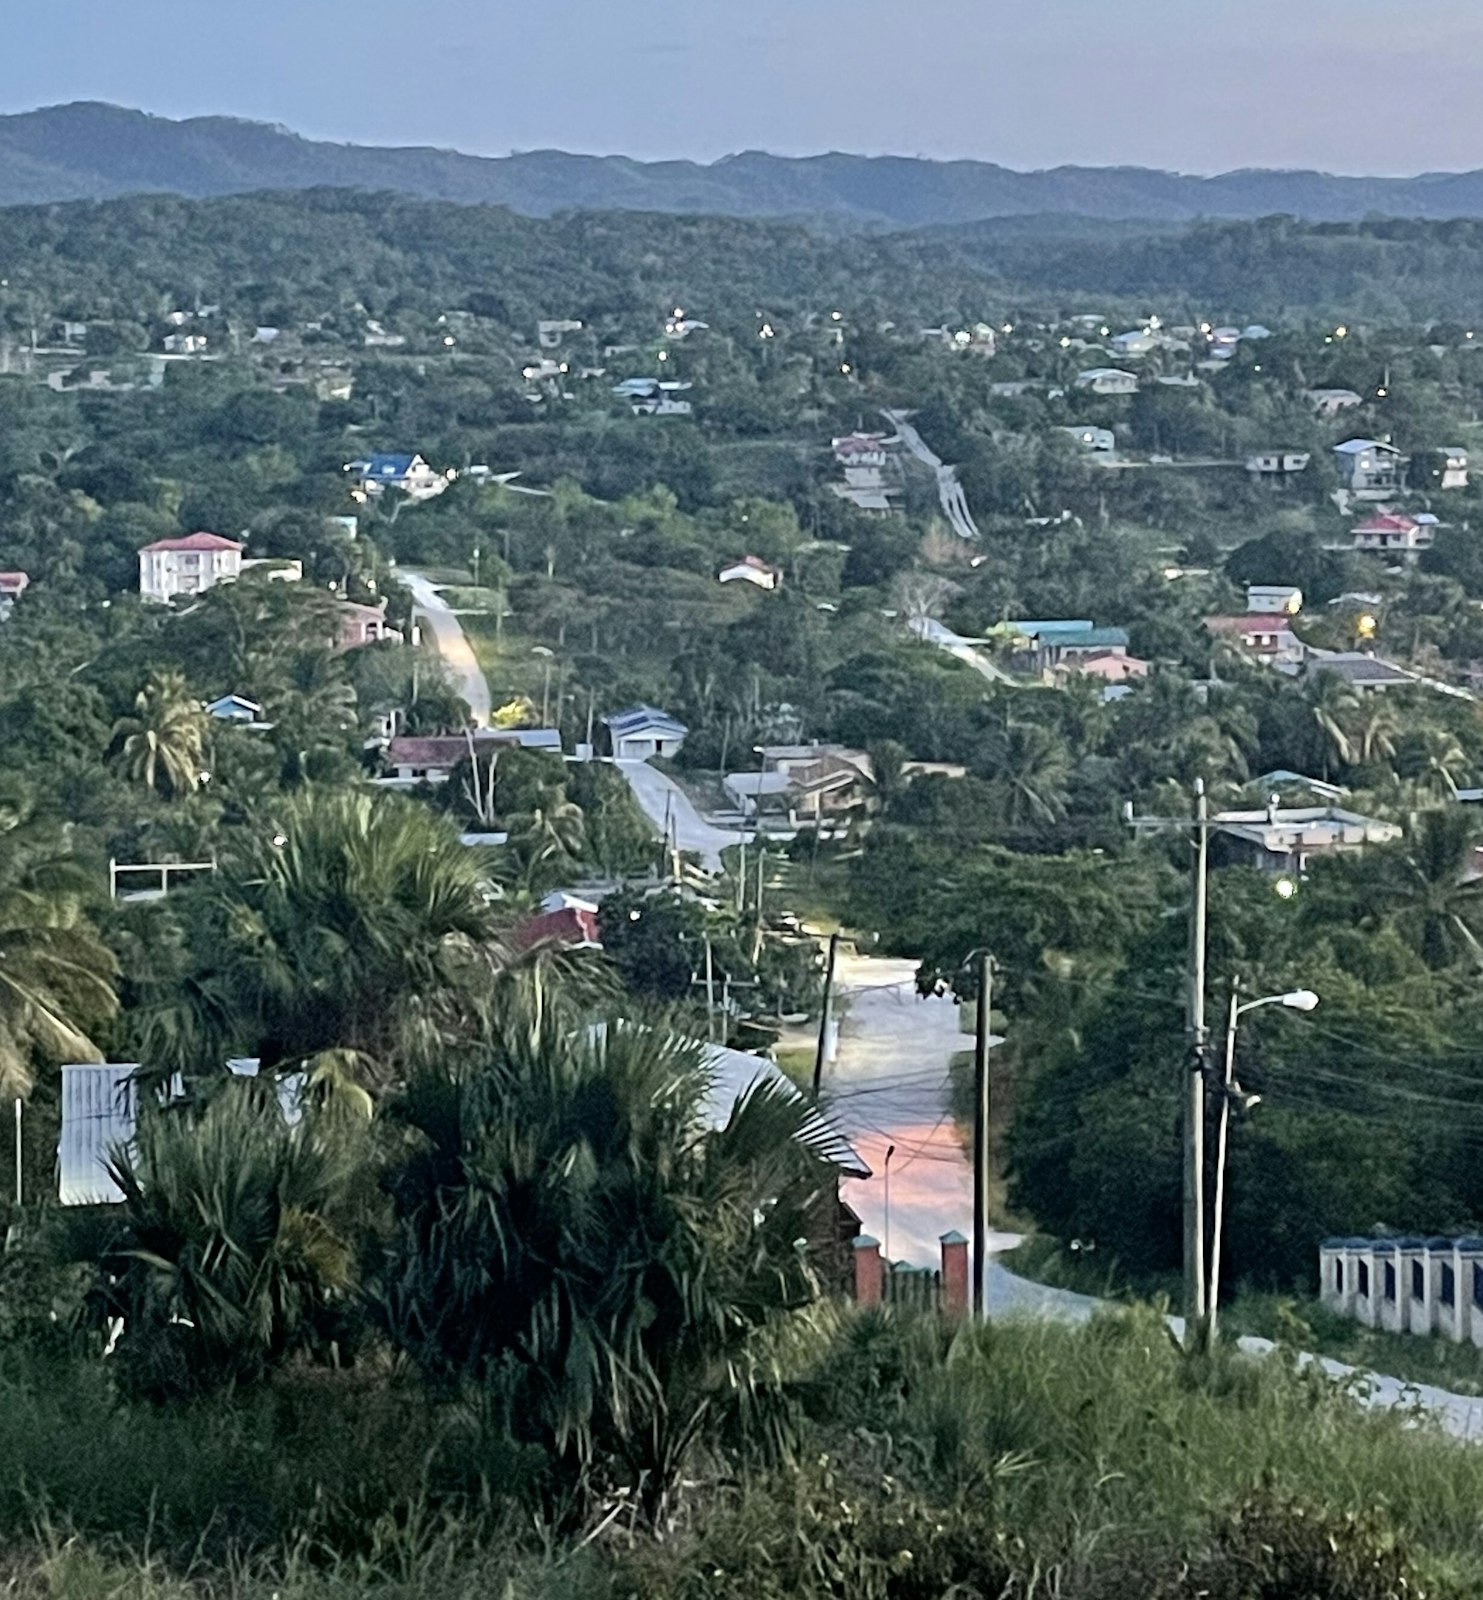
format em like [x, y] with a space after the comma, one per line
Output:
[89, 150]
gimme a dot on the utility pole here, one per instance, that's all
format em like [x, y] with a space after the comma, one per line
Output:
[981, 1137]
[824, 1014]
[1194, 1096]
[710, 991]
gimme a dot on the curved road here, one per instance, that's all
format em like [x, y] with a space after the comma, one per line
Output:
[668, 807]
[452, 644]
[891, 1086]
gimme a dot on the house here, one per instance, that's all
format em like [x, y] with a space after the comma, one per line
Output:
[12, 586]
[1369, 468]
[569, 927]
[1015, 388]
[1395, 533]
[1266, 635]
[184, 344]
[1330, 402]
[638, 732]
[860, 450]
[1068, 643]
[1107, 380]
[377, 338]
[1099, 440]
[1137, 342]
[356, 625]
[1359, 669]
[754, 570]
[1446, 468]
[191, 565]
[1285, 840]
[807, 782]
[1278, 463]
[680, 326]
[649, 397]
[1406, 1284]
[1273, 599]
[410, 473]
[550, 332]
[238, 709]
[430, 758]
[1111, 666]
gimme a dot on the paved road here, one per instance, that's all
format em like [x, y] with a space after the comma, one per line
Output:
[931, 631]
[890, 1086]
[668, 807]
[949, 490]
[453, 645]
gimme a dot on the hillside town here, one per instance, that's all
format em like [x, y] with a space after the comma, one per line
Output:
[580, 812]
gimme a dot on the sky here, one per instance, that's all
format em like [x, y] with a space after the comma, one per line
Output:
[1356, 86]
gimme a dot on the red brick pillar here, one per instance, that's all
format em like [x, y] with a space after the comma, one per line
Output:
[869, 1271]
[954, 1274]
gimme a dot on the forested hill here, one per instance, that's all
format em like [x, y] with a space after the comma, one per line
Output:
[282, 258]
[94, 151]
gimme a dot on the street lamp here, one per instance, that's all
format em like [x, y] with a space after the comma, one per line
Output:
[548, 654]
[890, 1151]
[1293, 1000]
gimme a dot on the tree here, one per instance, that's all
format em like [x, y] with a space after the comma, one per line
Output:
[56, 974]
[1331, 708]
[576, 1232]
[359, 923]
[230, 1251]
[163, 744]
[1029, 766]
[1423, 886]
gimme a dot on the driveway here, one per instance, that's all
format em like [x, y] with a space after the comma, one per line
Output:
[452, 644]
[668, 807]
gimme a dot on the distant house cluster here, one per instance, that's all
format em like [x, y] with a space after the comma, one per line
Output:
[864, 460]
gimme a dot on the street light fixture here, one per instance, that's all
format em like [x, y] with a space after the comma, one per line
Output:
[1292, 1000]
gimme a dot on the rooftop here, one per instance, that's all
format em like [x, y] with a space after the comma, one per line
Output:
[192, 541]
[634, 718]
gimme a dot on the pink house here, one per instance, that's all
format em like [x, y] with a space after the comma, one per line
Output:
[356, 625]
[1111, 666]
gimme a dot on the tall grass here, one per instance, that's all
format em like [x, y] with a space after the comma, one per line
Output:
[1017, 1459]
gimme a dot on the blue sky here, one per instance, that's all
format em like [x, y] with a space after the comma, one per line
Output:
[1371, 86]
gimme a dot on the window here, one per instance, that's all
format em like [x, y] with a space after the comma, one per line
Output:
[1477, 1284]
[1364, 1279]
[1418, 1281]
[1390, 1282]
[1449, 1285]
[1338, 1275]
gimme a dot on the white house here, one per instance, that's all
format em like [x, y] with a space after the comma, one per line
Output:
[1278, 463]
[1395, 533]
[410, 473]
[639, 732]
[1273, 599]
[1107, 380]
[236, 708]
[1446, 468]
[551, 331]
[1330, 402]
[1266, 635]
[1285, 840]
[754, 570]
[12, 586]
[1368, 467]
[1098, 440]
[1137, 342]
[191, 565]
[184, 344]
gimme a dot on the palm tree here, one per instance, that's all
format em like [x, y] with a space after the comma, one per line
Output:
[572, 1223]
[548, 840]
[1029, 766]
[359, 923]
[1427, 888]
[228, 1253]
[56, 974]
[1332, 705]
[1374, 731]
[163, 744]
